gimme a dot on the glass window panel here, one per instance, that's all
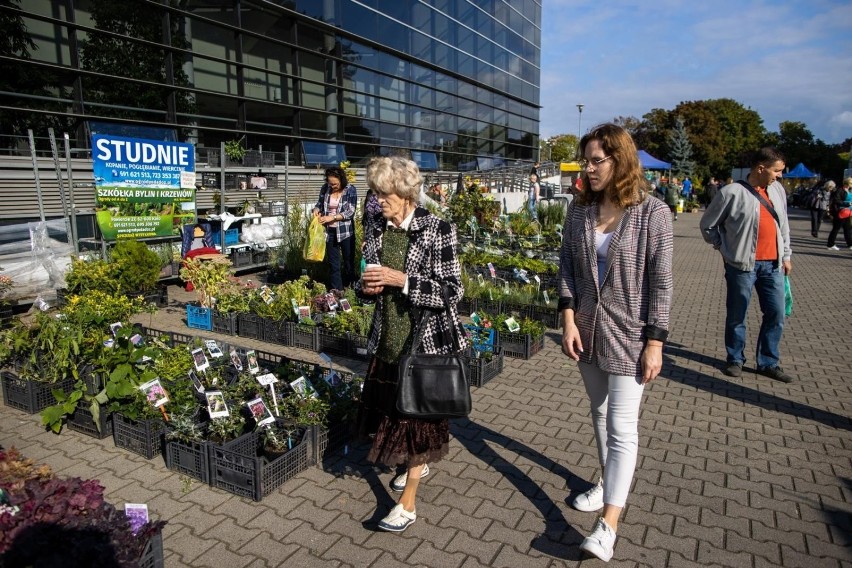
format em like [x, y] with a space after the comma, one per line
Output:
[393, 134]
[51, 41]
[359, 20]
[466, 40]
[426, 161]
[356, 129]
[313, 95]
[393, 34]
[448, 123]
[213, 75]
[322, 153]
[265, 117]
[212, 40]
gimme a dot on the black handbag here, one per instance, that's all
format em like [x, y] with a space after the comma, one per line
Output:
[432, 387]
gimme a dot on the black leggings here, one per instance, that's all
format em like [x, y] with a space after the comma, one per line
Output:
[816, 220]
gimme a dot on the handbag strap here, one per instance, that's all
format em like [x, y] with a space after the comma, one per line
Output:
[426, 315]
[760, 198]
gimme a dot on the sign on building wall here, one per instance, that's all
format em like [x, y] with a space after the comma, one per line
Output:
[145, 188]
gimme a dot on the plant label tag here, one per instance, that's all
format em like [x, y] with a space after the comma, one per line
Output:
[490, 295]
[267, 379]
[480, 279]
[476, 319]
[251, 358]
[196, 382]
[137, 513]
[236, 361]
[537, 279]
[492, 270]
[216, 405]
[546, 296]
[213, 348]
[155, 393]
[295, 305]
[344, 305]
[512, 325]
[260, 412]
[200, 359]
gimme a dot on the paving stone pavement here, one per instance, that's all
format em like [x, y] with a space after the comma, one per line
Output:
[732, 472]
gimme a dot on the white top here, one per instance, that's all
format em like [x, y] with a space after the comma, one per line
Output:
[602, 241]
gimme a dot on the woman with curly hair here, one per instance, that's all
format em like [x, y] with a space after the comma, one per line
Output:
[615, 292]
[335, 209]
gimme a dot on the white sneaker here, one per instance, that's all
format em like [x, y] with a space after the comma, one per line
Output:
[601, 542]
[591, 500]
[833, 248]
[398, 482]
[398, 519]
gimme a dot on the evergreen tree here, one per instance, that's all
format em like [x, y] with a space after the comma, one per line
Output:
[680, 150]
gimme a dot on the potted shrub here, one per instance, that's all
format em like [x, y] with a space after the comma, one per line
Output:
[208, 278]
[234, 151]
[137, 268]
[5, 306]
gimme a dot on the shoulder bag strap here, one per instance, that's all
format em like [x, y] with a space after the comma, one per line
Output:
[760, 198]
[426, 315]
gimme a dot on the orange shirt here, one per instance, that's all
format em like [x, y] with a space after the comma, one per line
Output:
[767, 243]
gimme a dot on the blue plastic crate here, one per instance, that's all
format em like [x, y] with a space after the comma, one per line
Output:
[199, 318]
[232, 237]
[481, 339]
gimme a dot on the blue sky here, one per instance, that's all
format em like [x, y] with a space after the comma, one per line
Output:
[784, 59]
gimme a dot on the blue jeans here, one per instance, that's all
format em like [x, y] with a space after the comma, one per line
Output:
[769, 283]
[333, 251]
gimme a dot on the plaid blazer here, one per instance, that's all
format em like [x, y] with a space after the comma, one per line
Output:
[615, 317]
[346, 208]
[430, 262]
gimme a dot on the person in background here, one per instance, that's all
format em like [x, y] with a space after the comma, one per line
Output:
[840, 199]
[750, 230]
[411, 258]
[687, 188]
[534, 169]
[615, 294]
[712, 189]
[335, 209]
[671, 196]
[818, 204]
[533, 197]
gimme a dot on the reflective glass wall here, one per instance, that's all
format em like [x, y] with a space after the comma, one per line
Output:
[459, 78]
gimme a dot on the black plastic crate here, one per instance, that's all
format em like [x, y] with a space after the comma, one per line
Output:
[94, 382]
[152, 555]
[490, 307]
[260, 257]
[358, 346]
[276, 331]
[546, 315]
[250, 326]
[31, 396]
[188, 458]
[304, 336]
[182, 338]
[82, 421]
[485, 367]
[240, 471]
[333, 342]
[143, 437]
[519, 346]
[466, 306]
[6, 315]
[331, 440]
[225, 324]
[241, 257]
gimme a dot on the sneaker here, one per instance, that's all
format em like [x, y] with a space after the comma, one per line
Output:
[398, 482]
[601, 542]
[775, 373]
[833, 248]
[398, 519]
[591, 500]
[733, 369]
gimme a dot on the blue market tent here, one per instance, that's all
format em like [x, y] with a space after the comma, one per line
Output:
[800, 171]
[649, 162]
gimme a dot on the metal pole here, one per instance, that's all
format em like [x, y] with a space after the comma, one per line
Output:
[222, 194]
[55, 153]
[580, 123]
[70, 176]
[35, 172]
[286, 179]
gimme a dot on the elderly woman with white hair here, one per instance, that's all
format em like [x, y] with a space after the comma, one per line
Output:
[840, 209]
[411, 261]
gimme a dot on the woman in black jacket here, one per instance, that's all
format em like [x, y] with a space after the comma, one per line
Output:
[840, 199]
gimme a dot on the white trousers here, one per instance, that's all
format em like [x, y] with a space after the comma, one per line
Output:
[615, 403]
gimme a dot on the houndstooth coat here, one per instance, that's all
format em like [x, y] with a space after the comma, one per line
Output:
[632, 304]
[430, 262]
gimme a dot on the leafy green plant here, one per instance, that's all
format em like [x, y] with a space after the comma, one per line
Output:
[88, 275]
[208, 278]
[184, 425]
[305, 410]
[235, 297]
[280, 437]
[226, 428]
[471, 202]
[234, 150]
[137, 267]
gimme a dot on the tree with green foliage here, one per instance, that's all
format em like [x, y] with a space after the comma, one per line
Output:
[681, 150]
[560, 148]
[128, 49]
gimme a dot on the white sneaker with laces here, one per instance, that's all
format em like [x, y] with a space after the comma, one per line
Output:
[398, 482]
[601, 542]
[591, 500]
[398, 519]
[833, 248]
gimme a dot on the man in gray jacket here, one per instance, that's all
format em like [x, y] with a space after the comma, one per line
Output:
[747, 224]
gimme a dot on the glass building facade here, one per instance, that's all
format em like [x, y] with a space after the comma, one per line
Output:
[455, 78]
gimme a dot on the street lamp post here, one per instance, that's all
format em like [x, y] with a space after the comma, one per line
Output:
[580, 122]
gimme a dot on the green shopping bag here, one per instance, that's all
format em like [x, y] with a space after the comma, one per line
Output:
[788, 297]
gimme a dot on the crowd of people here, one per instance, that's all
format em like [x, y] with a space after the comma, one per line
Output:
[615, 291]
[824, 200]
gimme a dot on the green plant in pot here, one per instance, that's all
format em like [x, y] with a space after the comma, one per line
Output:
[234, 150]
[279, 438]
[226, 428]
[88, 275]
[137, 267]
[208, 278]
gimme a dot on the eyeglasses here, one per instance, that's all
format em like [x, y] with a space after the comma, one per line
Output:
[594, 162]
